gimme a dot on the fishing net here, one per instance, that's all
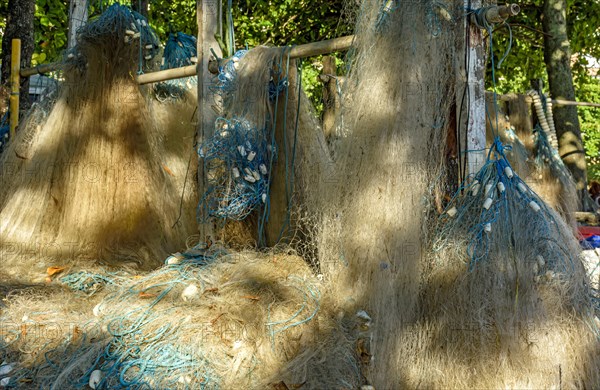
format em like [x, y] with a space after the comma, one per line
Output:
[180, 51]
[207, 319]
[266, 129]
[88, 180]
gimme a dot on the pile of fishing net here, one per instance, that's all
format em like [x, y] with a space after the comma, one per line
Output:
[206, 319]
[95, 176]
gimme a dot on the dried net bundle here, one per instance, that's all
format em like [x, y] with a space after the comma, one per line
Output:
[207, 319]
[90, 182]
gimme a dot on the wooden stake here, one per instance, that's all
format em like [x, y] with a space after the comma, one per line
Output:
[330, 98]
[207, 16]
[15, 82]
[470, 95]
[78, 16]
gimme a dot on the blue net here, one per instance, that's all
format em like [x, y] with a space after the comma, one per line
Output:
[118, 32]
[180, 51]
[4, 130]
[497, 213]
[239, 157]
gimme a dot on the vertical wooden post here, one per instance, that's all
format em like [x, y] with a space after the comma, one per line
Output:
[15, 82]
[207, 13]
[78, 16]
[470, 94]
[330, 98]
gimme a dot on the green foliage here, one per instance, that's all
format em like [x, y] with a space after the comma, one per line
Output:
[526, 62]
[173, 16]
[589, 90]
[50, 30]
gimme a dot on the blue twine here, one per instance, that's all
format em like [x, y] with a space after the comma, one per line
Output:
[179, 51]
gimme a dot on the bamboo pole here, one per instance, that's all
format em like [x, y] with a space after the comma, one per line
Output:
[556, 102]
[15, 66]
[41, 69]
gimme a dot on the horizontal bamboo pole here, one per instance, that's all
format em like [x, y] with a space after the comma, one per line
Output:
[168, 74]
[300, 51]
[41, 69]
[556, 102]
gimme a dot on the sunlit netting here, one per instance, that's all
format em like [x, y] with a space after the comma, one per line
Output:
[207, 319]
[239, 157]
[547, 156]
[179, 51]
[492, 207]
[120, 23]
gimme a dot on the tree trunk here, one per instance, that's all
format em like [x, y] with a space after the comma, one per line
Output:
[141, 7]
[78, 16]
[19, 24]
[557, 56]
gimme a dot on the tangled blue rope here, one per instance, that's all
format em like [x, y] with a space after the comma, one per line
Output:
[240, 155]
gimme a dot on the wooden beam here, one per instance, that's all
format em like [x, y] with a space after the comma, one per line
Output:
[41, 69]
[207, 14]
[15, 85]
[330, 95]
[169, 74]
[78, 16]
[300, 51]
[470, 96]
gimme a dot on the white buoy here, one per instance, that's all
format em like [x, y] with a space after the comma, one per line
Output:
[534, 206]
[488, 187]
[251, 155]
[540, 261]
[452, 212]
[97, 310]
[487, 227]
[475, 189]
[190, 292]
[129, 32]
[522, 188]
[250, 179]
[264, 198]
[6, 369]
[488, 203]
[263, 169]
[501, 187]
[95, 378]
[509, 172]
[256, 175]
[175, 258]
[242, 150]
[184, 380]
[149, 47]
[236, 172]
[363, 315]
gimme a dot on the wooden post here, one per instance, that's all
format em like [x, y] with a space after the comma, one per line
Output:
[470, 95]
[78, 16]
[207, 19]
[330, 98]
[15, 68]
